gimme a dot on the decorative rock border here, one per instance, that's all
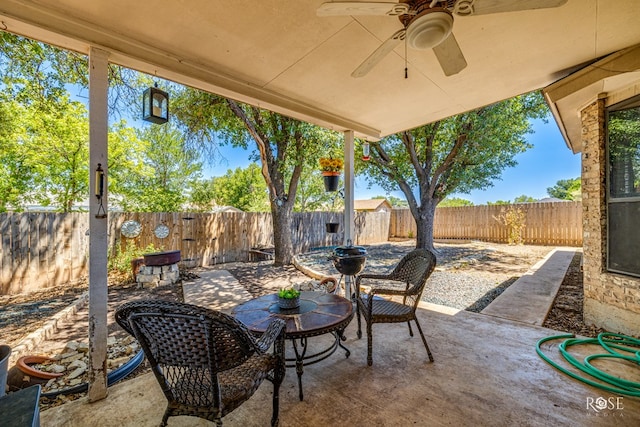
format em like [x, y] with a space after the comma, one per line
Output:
[49, 329]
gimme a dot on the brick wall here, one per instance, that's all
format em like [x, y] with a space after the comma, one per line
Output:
[611, 301]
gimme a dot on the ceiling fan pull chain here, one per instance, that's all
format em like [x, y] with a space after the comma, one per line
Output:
[406, 60]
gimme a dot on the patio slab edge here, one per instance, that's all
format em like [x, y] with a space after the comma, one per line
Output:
[530, 298]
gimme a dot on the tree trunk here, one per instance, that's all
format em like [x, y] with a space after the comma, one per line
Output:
[424, 224]
[282, 222]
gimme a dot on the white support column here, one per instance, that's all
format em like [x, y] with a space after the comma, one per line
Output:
[98, 242]
[349, 223]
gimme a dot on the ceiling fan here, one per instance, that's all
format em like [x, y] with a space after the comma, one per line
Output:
[427, 24]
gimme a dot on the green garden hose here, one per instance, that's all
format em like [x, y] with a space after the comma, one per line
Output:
[615, 347]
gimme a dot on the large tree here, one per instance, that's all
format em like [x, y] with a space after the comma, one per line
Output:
[16, 175]
[284, 147]
[58, 146]
[312, 196]
[38, 73]
[163, 168]
[567, 189]
[458, 154]
[243, 188]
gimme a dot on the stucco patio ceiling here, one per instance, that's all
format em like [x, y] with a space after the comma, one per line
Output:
[280, 55]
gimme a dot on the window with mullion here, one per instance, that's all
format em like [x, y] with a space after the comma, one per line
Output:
[623, 187]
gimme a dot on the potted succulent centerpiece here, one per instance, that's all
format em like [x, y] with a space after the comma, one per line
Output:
[331, 169]
[288, 298]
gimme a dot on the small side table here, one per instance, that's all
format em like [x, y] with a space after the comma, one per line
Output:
[318, 314]
[20, 408]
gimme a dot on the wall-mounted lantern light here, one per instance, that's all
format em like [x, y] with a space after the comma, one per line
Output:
[155, 105]
[99, 191]
[99, 182]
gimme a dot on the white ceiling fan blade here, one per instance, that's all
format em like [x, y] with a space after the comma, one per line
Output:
[383, 50]
[450, 56]
[341, 8]
[484, 7]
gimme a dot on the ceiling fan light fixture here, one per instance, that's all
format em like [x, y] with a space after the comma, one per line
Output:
[429, 29]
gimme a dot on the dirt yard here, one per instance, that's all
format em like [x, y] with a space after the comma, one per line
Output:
[22, 314]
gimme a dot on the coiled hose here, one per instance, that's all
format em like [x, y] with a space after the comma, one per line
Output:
[615, 346]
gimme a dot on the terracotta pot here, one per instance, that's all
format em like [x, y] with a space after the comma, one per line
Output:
[22, 375]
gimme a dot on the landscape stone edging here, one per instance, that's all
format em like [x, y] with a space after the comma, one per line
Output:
[297, 263]
[46, 331]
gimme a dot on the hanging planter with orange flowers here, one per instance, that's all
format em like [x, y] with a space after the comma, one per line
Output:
[331, 169]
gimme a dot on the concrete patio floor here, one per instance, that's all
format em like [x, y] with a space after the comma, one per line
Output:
[486, 372]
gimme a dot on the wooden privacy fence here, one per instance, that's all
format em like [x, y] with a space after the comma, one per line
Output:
[42, 249]
[556, 223]
[48, 249]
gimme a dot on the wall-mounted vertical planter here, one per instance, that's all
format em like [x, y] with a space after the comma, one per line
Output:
[331, 181]
[332, 227]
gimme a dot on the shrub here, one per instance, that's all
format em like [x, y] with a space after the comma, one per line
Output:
[120, 262]
[514, 218]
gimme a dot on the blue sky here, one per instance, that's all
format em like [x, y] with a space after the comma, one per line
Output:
[538, 168]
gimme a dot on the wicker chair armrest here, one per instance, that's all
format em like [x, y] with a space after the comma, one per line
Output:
[273, 332]
[374, 276]
[386, 291]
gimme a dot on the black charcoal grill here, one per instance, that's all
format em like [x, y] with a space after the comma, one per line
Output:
[349, 260]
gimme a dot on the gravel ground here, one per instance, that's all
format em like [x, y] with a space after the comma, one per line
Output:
[468, 276]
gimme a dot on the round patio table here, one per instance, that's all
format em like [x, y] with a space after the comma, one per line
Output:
[318, 314]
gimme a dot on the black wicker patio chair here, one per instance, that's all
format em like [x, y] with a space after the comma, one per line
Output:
[207, 363]
[405, 282]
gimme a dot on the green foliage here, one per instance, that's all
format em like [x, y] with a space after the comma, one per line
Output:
[121, 261]
[288, 293]
[16, 175]
[58, 147]
[203, 195]
[499, 202]
[311, 195]
[284, 146]
[524, 199]
[34, 73]
[454, 202]
[153, 174]
[243, 188]
[567, 189]
[514, 218]
[457, 154]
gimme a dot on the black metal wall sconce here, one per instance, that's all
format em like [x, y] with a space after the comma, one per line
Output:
[99, 191]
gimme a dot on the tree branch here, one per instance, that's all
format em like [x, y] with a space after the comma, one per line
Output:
[448, 162]
[263, 145]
